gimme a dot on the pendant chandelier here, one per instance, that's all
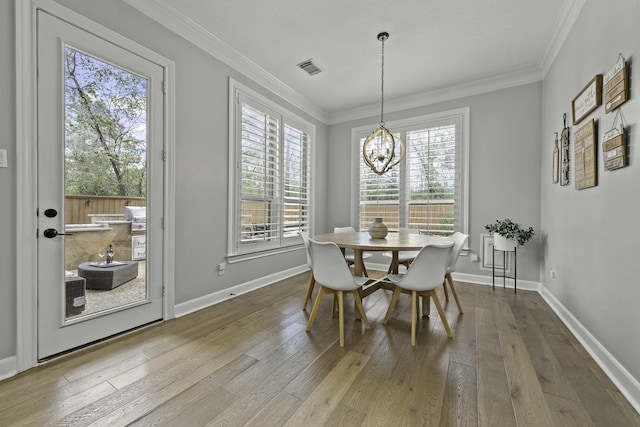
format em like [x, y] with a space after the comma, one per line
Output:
[381, 150]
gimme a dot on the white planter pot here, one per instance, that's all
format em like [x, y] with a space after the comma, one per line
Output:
[504, 244]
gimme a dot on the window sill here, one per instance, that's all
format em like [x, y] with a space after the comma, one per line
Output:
[236, 258]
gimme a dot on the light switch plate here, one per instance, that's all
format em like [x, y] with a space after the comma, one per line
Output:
[3, 158]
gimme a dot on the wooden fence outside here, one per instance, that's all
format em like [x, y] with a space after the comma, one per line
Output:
[435, 218]
[78, 208]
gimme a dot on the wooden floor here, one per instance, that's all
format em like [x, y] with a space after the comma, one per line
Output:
[249, 361]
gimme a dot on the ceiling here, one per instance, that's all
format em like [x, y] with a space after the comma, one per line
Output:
[435, 46]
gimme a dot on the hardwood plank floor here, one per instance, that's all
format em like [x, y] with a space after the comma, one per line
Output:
[249, 362]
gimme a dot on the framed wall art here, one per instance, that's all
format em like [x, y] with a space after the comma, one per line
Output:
[585, 166]
[587, 100]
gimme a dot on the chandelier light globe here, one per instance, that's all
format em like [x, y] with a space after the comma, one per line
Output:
[382, 150]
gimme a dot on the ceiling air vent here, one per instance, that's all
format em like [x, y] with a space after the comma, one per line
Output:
[309, 67]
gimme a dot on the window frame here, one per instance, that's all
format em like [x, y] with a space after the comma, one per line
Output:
[460, 117]
[236, 250]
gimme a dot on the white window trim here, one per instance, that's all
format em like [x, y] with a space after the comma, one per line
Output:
[461, 114]
[235, 88]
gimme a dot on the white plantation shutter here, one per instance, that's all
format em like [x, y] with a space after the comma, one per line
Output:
[379, 195]
[260, 175]
[431, 179]
[296, 166]
[272, 183]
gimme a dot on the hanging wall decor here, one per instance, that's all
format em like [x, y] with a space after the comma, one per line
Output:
[564, 176]
[616, 85]
[555, 163]
[587, 100]
[585, 156]
[614, 145]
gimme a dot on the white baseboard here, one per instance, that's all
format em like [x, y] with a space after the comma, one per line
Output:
[525, 285]
[8, 367]
[626, 383]
[228, 293]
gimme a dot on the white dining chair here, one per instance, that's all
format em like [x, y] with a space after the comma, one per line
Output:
[335, 278]
[349, 255]
[404, 257]
[423, 277]
[458, 242]
[312, 280]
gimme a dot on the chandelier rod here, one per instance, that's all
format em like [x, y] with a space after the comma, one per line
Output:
[382, 37]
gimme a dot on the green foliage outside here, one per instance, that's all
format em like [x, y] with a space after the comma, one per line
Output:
[105, 128]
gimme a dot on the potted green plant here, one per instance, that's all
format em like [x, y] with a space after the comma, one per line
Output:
[508, 234]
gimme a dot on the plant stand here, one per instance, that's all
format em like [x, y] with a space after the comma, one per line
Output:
[504, 268]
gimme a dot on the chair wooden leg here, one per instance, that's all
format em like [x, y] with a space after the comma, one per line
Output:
[454, 292]
[446, 293]
[436, 302]
[314, 310]
[363, 316]
[341, 316]
[426, 305]
[307, 297]
[392, 304]
[414, 316]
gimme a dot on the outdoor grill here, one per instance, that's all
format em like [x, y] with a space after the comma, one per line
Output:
[138, 217]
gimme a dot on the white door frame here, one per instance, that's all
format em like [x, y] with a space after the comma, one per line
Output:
[26, 168]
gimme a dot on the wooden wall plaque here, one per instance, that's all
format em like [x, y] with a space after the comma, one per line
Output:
[588, 99]
[616, 85]
[585, 167]
[614, 150]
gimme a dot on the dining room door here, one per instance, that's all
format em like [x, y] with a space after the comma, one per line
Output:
[100, 137]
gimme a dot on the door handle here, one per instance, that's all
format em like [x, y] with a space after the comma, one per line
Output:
[50, 233]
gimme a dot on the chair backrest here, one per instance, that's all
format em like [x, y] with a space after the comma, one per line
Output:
[458, 242]
[409, 230]
[305, 239]
[428, 268]
[329, 268]
[348, 229]
[344, 230]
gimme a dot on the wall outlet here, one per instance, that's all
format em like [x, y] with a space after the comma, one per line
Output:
[221, 268]
[474, 257]
[4, 162]
[552, 273]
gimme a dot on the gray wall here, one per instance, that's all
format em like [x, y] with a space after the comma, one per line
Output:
[590, 235]
[504, 166]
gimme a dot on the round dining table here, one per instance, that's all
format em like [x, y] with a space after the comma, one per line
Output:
[394, 242]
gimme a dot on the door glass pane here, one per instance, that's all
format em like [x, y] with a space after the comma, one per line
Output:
[105, 126]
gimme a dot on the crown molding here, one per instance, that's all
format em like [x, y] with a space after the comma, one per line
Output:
[497, 82]
[173, 19]
[568, 16]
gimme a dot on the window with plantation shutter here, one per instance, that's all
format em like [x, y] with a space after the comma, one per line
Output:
[428, 189]
[271, 187]
[431, 179]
